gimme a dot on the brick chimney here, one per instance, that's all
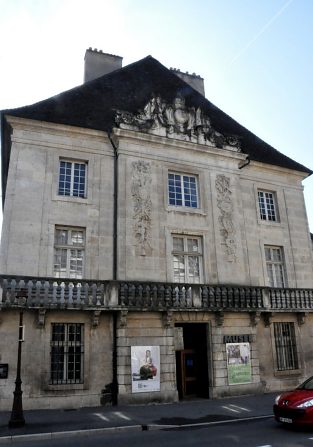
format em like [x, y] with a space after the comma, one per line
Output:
[98, 64]
[195, 81]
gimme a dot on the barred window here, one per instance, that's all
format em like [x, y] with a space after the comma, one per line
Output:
[286, 348]
[267, 206]
[182, 190]
[69, 252]
[72, 178]
[187, 259]
[67, 353]
[275, 265]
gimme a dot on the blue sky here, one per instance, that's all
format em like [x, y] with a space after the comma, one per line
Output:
[255, 56]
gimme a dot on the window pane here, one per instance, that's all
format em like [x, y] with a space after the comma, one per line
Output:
[193, 245]
[182, 190]
[61, 237]
[186, 266]
[72, 179]
[178, 244]
[193, 269]
[179, 268]
[77, 237]
[68, 261]
[275, 266]
[267, 205]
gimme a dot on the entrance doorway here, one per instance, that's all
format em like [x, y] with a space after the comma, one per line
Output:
[192, 362]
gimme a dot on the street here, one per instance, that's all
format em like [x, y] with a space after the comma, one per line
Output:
[254, 433]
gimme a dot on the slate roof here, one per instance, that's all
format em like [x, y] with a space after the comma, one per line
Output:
[92, 105]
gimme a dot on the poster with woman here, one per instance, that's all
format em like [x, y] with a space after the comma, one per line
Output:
[145, 368]
[238, 363]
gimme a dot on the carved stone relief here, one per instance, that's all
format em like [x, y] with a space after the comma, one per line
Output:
[225, 205]
[142, 205]
[176, 121]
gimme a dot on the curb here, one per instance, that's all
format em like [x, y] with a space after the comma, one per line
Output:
[66, 434]
[143, 427]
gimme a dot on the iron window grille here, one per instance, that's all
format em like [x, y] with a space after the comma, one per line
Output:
[267, 206]
[182, 190]
[67, 353]
[286, 347]
[72, 178]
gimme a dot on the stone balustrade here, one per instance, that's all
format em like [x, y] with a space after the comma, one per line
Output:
[17, 291]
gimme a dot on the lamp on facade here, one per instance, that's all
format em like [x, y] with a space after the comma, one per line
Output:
[17, 416]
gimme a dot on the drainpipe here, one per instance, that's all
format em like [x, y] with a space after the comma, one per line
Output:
[114, 267]
[245, 163]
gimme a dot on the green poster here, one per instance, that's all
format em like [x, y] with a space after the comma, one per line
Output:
[238, 363]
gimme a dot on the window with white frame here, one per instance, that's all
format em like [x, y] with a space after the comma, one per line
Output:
[183, 190]
[67, 353]
[286, 347]
[267, 206]
[72, 178]
[187, 259]
[69, 252]
[275, 265]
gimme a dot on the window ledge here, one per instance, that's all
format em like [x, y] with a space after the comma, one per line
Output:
[71, 199]
[288, 372]
[270, 223]
[185, 210]
[65, 387]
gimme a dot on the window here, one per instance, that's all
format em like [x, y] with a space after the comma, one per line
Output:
[286, 348]
[275, 266]
[72, 178]
[187, 259]
[182, 190]
[267, 206]
[69, 251]
[67, 353]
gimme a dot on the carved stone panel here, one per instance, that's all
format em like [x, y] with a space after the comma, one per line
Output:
[176, 121]
[142, 205]
[226, 222]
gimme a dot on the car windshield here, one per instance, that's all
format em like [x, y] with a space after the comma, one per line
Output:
[307, 385]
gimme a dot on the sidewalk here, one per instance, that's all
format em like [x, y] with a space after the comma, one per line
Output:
[44, 424]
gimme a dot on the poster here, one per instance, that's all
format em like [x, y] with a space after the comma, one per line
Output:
[145, 368]
[238, 363]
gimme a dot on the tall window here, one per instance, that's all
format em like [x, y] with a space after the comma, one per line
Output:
[275, 265]
[72, 178]
[286, 348]
[267, 206]
[67, 353]
[182, 190]
[187, 259]
[69, 252]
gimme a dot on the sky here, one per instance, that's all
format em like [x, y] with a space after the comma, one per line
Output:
[256, 56]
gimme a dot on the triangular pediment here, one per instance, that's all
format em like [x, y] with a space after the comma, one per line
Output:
[177, 121]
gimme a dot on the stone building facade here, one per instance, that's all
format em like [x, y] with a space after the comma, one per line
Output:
[157, 249]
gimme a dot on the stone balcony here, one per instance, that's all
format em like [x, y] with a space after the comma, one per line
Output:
[53, 293]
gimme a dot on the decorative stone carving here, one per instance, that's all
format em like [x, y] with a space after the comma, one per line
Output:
[168, 319]
[225, 205]
[176, 121]
[41, 318]
[219, 318]
[95, 318]
[142, 205]
[267, 317]
[122, 321]
[255, 318]
[301, 318]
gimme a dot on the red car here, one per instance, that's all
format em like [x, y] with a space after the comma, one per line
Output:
[296, 407]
